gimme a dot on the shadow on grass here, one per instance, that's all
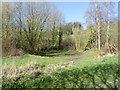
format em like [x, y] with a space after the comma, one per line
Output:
[52, 53]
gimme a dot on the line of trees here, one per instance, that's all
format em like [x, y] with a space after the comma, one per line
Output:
[31, 27]
[34, 27]
[103, 25]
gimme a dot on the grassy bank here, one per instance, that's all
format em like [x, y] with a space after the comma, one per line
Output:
[84, 73]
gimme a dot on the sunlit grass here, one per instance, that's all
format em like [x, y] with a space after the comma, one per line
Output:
[58, 57]
[78, 75]
[26, 59]
[95, 61]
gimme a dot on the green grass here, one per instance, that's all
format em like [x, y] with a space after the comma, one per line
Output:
[96, 61]
[81, 74]
[88, 74]
[77, 55]
[58, 57]
[26, 59]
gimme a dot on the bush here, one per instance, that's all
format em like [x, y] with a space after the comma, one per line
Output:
[9, 48]
[68, 43]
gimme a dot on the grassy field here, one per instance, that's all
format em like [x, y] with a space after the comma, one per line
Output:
[26, 59]
[50, 58]
[87, 71]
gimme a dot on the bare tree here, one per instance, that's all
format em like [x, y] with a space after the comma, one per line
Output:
[93, 17]
[97, 17]
[109, 9]
[7, 19]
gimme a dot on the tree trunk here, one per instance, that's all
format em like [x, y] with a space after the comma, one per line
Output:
[98, 27]
[99, 36]
[107, 32]
[60, 37]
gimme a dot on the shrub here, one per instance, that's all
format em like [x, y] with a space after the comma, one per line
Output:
[68, 43]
